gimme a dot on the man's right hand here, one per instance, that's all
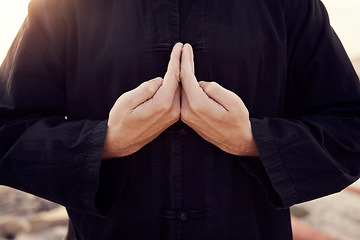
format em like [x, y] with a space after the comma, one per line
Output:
[140, 115]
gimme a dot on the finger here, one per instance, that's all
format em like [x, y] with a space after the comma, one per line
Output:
[221, 95]
[172, 76]
[143, 92]
[187, 59]
[174, 63]
[188, 79]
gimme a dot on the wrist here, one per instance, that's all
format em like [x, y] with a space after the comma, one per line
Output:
[251, 148]
[247, 146]
[110, 151]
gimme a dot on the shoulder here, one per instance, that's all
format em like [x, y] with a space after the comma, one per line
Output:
[36, 5]
[303, 6]
[305, 13]
[50, 9]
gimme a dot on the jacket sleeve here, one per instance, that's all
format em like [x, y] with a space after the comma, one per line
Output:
[313, 149]
[41, 152]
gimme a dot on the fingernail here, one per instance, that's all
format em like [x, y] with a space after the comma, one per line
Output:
[179, 43]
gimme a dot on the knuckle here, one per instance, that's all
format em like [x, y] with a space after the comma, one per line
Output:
[150, 89]
[211, 86]
[158, 81]
[177, 76]
[164, 107]
[123, 100]
[173, 74]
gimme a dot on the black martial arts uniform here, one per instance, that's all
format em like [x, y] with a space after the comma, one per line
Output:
[74, 58]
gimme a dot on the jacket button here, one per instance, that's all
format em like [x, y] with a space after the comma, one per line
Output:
[183, 131]
[182, 215]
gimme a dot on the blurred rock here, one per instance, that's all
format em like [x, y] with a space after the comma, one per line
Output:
[306, 232]
[22, 203]
[53, 233]
[298, 212]
[44, 220]
[26, 217]
[11, 225]
[338, 215]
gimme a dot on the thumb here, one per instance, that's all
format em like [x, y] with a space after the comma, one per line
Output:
[143, 92]
[221, 95]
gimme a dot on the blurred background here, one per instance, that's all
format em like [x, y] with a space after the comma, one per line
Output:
[26, 217]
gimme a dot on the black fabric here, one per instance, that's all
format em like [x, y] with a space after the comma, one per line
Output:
[72, 59]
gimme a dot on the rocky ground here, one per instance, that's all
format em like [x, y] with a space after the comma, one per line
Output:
[26, 217]
[337, 216]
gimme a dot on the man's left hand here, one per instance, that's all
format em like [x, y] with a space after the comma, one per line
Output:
[215, 113]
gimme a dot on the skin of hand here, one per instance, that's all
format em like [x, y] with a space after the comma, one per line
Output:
[140, 115]
[215, 113]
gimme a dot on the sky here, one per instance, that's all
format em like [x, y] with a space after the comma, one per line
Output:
[344, 17]
[12, 15]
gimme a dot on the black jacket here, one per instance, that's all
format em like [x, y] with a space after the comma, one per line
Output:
[73, 58]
